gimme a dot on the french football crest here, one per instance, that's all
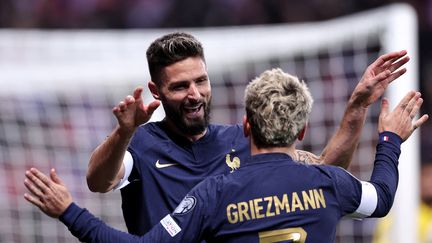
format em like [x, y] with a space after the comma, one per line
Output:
[234, 164]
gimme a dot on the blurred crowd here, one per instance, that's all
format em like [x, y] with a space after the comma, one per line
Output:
[178, 13]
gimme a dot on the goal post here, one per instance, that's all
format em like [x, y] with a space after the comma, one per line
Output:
[403, 19]
[58, 89]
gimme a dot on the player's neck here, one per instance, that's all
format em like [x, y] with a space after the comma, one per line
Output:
[290, 150]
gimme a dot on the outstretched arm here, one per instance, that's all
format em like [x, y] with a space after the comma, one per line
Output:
[52, 197]
[400, 122]
[105, 168]
[340, 149]
[374, 198]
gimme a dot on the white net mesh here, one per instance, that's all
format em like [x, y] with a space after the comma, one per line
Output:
[58, 89]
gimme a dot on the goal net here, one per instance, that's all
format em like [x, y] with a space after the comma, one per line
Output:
[58, 89]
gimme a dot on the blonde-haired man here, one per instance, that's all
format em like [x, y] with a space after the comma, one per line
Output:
[272, 198]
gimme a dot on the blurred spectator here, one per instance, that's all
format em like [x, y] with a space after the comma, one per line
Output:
[425, 220]
[181, 13]
[383, 234]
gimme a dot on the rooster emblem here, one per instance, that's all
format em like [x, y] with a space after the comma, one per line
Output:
[234, 164]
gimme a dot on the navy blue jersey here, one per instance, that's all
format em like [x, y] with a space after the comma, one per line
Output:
[166, 167]
[269, 199]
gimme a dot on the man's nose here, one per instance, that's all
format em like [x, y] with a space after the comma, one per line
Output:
[193, 92]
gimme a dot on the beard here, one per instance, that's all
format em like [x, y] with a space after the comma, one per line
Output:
[182, 123]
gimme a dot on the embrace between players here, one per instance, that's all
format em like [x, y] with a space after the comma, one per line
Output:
[175, 175]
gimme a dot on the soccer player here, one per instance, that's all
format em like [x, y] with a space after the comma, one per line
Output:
[272, 197]
[156, 164]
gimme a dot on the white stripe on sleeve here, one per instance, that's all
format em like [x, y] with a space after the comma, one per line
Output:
[128, 163]
[368, 203]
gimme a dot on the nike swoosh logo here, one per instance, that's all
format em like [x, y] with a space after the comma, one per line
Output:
[160, 166]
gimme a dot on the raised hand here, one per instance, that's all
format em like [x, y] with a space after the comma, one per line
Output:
[401, 119]
[50, 195]
[132, 112]
[378, 76]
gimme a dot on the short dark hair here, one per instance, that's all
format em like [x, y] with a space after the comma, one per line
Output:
[169, 49]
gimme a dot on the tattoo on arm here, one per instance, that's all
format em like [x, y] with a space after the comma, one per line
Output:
[307, 157]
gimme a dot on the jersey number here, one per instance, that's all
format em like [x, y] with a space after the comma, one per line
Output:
[296, 235]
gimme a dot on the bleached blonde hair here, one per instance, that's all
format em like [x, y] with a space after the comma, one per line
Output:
[277, 107]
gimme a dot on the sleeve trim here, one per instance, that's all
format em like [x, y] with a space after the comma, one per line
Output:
[368, 202]
[128, 164]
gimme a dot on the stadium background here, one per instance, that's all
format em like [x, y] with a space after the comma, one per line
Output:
[67, 116]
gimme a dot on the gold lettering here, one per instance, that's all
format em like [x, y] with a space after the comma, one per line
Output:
[308, 199]
[258, 208]
[254, 208]
[232, 216]
[319, 198]
[296, 202]
[281, 205]
[251, 207]
[269, 213]
[243, 211]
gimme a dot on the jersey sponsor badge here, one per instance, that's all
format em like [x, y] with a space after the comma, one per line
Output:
[170, 225]
[186, 205]
[385, 138]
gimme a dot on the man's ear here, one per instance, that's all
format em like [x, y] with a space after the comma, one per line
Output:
[154, 90]
[246, 127]
[302, 133]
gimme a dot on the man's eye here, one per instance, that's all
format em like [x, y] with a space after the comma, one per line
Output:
[180, 87]
[202, 80]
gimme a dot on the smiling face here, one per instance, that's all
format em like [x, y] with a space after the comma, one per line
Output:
[185, 94]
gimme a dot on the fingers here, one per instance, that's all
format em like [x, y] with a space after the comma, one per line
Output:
[33, 200]
[36, 186]
[414, 111]
[383, 75]
[55, 177]
[384, 107]
[395, 75]
[386, 66]
[392, 56]
[409, 108]
[123, 105]
[33, 188]
[395, 66]
[420, 121]
[41, 176]
[129, 100]
[405, 100]
[152, 107]
[137, 92]
[414, 106]
[401, 119]
[50, 197]
[34, 183]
